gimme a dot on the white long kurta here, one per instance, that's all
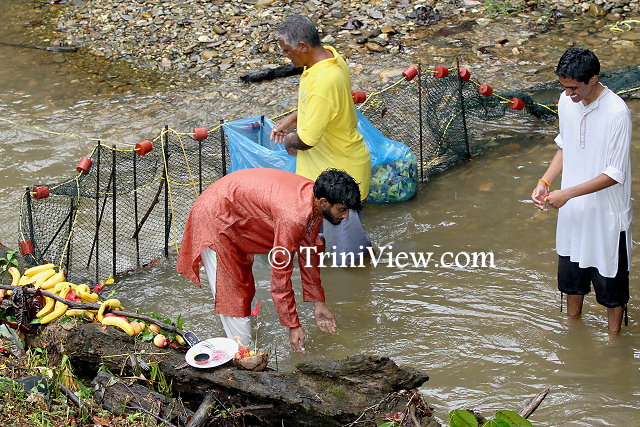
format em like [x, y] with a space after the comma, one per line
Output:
[595, 139]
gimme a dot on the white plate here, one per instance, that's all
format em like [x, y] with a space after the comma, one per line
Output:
[220, 351]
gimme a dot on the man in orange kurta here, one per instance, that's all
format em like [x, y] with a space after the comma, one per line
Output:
[252, 211]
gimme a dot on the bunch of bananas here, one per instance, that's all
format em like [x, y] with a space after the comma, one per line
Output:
[45, 277]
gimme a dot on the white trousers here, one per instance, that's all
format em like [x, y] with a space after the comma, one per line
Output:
[234, 327]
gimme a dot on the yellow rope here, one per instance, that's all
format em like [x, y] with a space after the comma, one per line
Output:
[20, 231]
[627, 27]
[73, 221]
[283, 114]
[186, 161]
[444, 132]
[168, 183]
[628, 90]
[384, 89]
[71, 135]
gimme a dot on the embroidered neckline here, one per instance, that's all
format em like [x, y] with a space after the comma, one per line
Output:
[315, 215]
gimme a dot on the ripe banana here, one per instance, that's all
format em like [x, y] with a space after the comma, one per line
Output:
[119, 322]
[37, 269]
[85, 294]
[84, 313]
[58, 309]
[15, 276]
[48, 306]
[40, 278]
[58, 287]
[108, 304]
[53, 280]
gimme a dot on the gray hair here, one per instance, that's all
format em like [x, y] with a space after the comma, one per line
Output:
[298, 29]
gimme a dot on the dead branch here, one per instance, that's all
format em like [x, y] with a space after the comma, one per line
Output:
[533, 404]
[96, 306]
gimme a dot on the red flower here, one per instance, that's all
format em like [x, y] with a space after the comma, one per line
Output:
[256, 309]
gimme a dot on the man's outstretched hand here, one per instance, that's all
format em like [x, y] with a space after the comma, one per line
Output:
[296, 339]
[325, 319]
[283, 127]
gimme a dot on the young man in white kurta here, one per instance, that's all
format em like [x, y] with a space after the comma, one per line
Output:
[595, 140]
[594, 201]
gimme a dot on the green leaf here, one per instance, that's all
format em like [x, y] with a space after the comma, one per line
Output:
[179, 321]
[462, 418]
[496, 423]
[147, 336]
[512, 419]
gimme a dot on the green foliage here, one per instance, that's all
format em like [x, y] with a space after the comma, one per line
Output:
[495, 8]
[158, 377]
[507, 419]
[389, 424]
[146, 336]
[10, 260]
[134, 416]
[462, 418]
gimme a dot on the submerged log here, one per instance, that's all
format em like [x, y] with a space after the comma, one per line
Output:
[362, 389]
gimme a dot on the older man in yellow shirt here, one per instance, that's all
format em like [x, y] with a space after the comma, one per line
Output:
[326, 123]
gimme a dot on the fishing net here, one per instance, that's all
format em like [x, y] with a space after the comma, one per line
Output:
[127, 208]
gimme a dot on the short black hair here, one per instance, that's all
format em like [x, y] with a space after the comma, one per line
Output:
[578, 64]
[338, 187]
[297, 29]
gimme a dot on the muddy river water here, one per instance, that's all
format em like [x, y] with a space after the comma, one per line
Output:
[489, 338]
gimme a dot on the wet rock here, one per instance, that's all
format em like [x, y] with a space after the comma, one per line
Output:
[207, 55]
[218, 29]
[375, 14]
[387, 29]
[389, 73]
[631, 35]
[328, 39]
[375, 47]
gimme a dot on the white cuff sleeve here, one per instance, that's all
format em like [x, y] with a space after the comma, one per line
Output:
[558, 140]
[614, 174]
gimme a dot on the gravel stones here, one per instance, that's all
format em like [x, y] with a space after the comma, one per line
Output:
[212, 39]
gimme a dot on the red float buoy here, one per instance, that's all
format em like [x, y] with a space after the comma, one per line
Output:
[143, 147]
[464, 74]
[40, 192]
[410, 72]
[84, 165]
[359, 97]
[516, 104]
[200, 134]
[26, 247]
[441, 71]
[485, 89]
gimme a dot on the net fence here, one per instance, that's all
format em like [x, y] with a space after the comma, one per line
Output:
[126, 208]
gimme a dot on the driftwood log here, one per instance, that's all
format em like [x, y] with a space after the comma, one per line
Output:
[272, 73]
[120, 397]
[362, 390]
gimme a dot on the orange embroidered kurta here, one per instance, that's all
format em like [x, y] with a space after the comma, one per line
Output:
[250, 212]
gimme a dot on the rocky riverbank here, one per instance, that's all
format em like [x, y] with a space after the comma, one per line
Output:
[223, 40]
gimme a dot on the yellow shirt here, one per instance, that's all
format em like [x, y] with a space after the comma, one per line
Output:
[327, 122]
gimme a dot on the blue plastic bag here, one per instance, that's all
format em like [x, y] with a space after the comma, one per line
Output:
[394, 167]
[394, 172]
[250, 146]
